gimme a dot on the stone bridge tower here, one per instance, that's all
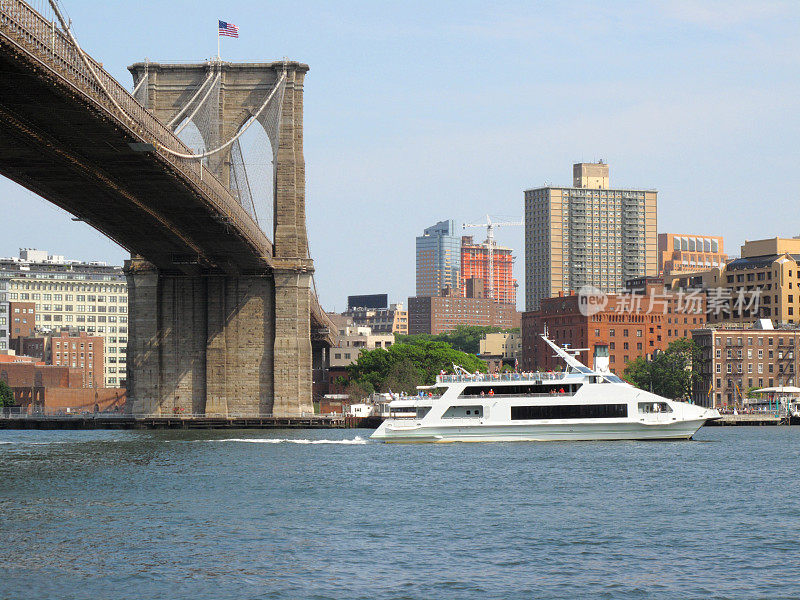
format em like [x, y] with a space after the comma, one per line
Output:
[237, 342]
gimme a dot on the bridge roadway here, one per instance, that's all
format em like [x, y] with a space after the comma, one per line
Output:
[62, 138]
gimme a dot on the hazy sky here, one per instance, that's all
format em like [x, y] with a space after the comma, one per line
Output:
[417, 112]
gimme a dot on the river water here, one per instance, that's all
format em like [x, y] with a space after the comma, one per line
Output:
[328, 514]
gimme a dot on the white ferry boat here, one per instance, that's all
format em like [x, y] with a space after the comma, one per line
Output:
[578, 404]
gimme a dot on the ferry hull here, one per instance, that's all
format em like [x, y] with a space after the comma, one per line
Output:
[392, 432]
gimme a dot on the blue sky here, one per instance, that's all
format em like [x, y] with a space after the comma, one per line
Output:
[417, 112]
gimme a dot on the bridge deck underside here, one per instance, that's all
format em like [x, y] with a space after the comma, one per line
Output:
[77, 156]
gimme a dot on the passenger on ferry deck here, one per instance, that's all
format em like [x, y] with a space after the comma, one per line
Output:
[561, 391]
[491, 392]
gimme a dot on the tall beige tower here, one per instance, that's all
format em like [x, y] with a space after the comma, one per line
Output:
[588, 234]
[591, 175]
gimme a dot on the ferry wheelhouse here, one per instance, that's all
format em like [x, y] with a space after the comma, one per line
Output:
[577, 404]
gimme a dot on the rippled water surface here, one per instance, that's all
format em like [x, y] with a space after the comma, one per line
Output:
[328, 514]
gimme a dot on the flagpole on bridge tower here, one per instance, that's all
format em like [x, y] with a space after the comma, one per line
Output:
[219, 58]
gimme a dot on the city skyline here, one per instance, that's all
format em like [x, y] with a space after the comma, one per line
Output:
[692, 101]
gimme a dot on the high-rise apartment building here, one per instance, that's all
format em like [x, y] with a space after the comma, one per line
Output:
[680, 253]
[89, 297]
[589, 234]
[438, 259]
[475, 265]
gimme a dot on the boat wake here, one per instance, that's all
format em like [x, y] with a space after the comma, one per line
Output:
[357, 441]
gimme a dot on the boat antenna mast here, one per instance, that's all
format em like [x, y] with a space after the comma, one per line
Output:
[568, 355]
[459, 369]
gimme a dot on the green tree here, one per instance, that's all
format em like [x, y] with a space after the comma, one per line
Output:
[672, 373]
[751, 392]
[466, 338]
[6, 395]
[358, 391]
[403, 376]
[406, 365]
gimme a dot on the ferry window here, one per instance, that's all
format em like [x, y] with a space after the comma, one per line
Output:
[456, 412]
[555, 387]
[570, 411]
[654, 407]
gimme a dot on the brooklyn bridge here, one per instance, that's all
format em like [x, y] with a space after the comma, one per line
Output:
[223, 316]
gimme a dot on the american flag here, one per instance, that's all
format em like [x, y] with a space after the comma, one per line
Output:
[228, 29]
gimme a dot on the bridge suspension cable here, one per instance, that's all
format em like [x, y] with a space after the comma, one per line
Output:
[65, 26]
[240, 182]
[139, 85]
[192, 99]
[238, 133]
[198, 107]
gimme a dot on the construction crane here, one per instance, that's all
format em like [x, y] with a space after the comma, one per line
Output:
[491, 245]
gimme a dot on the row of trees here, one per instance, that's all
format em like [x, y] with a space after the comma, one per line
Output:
[405, 365]
[465, 338]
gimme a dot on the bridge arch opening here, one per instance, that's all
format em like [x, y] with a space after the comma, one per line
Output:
[247, 167]
[253, 167]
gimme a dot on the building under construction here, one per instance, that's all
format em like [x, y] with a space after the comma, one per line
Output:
[476, 272]
[460, 267]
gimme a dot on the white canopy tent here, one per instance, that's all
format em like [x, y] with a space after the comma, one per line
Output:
[787, 389]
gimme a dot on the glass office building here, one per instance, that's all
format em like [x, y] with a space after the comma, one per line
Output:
[439, 259]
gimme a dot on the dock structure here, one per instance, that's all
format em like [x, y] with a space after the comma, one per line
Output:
[749, 419]
[122, 421]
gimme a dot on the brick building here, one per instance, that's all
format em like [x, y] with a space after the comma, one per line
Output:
[41, 388]
[434, 315]
[79, 350]
[630, 324]
[738, 359]
[22, 319]
[437, 314]
[67, 348]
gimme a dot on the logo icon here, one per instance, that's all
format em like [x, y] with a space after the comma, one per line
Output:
[591, 300]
